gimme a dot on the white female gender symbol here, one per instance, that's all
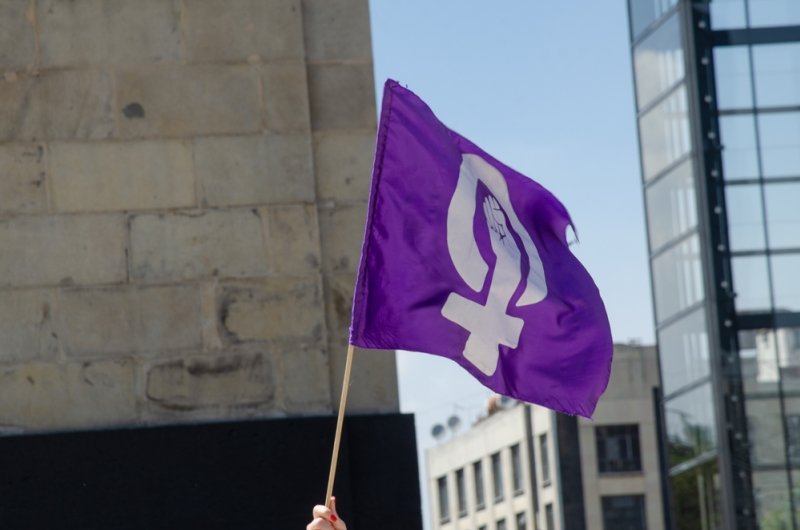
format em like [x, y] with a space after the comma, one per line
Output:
[489, 325]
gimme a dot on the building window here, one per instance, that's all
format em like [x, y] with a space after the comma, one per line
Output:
[618, 448]
[549, 519]
[658, 62]
[461, 493]
[793, 438]
[444, 500]
[482, 527]
[516, 469]
[501, 524]
[480, 498]
[545, 456]
[497, 477]
[522, 522]
[624, 511]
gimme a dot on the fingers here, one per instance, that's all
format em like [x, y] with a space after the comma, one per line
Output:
[326, 518]
[495, 219]
[320, 524]
[493, 203]
[322, 512]
[489, 214]
[338, 524]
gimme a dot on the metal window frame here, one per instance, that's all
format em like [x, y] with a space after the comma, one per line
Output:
[738, 504]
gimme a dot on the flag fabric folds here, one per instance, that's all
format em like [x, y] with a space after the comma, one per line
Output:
[465, 258]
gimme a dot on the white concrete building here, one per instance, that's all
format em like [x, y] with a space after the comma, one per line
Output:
[524, 467]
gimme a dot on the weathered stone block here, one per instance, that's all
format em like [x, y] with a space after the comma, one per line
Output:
[286, 97]
[56, 105]
[341, 236]
[187, 101]
[87, 394]
[169, 247]
[373, 377]
[87, 32]
[339, 290]
[17, 110]
[17, 37]
[342, 96]
[22, 178]
[306, 381]
[276, 309]
[26, 325]
[236, 30]
[145, 320]
[121, 175]
[343, 164]
[71, 249]
[237, 170]
[292, 234]
[210, 323]
[336, 29]
[235, 379]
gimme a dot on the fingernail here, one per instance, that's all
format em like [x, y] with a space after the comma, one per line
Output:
[333, 517]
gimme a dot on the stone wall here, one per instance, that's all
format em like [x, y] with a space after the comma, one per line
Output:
[183, 186]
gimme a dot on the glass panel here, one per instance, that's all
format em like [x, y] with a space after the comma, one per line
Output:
[522, 521]
[461, 493]
[758, 358]
[678, 278]
[788, 340]
[618, 448]
[644, 12]
[765, 13]
[671, 205]
[732, 71]
[497, 477]
[665, 135]
[745, 217]
[793, 435]
[783, 214]
[771, 492]
[516, 469]
[549, 520]
[444, 501]
[477, 473]
[544, 453]
[728, 14]
[785, 269]
[765, 431]
[780, 143]
[751, 283]
[658, 61]
[623, 511]
[690, 424]
[684, 354]
[796, 493]
[777, 74]
[696, 495]
[739, 153]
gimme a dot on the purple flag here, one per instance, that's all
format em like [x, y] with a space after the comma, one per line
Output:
[466, 258]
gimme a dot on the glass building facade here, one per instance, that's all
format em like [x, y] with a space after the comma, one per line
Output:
[718, 106]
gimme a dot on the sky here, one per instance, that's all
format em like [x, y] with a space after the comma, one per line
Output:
[547, 88]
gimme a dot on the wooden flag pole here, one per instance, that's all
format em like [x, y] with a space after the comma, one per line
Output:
[342, 403]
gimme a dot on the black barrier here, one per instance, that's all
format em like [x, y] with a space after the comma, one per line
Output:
[263, 475]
